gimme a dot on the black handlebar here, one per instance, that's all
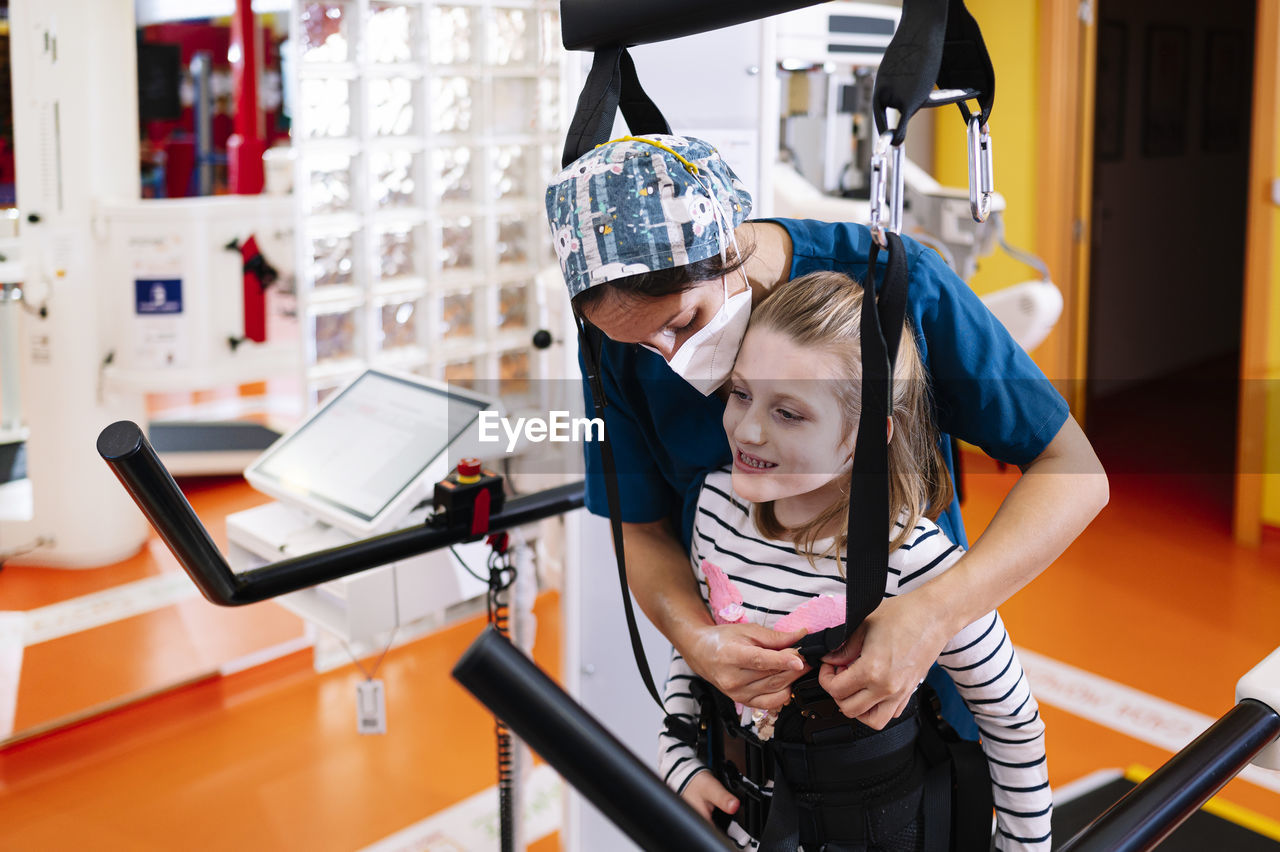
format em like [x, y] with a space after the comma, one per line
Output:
[582, 750]
[1152, 810]
[133, 460]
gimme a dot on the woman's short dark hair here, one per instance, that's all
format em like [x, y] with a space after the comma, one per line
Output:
[664, 282]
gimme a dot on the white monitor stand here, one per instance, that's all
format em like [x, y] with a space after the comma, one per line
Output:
[365, 463]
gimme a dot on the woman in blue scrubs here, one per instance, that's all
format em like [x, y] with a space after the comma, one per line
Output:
[658, 254]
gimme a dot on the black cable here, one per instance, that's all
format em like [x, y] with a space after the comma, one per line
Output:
[502, 575]
[465, 566]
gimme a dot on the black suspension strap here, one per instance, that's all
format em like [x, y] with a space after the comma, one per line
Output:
[590, 340]
[867, 542]
[612, 84]
[936, 42]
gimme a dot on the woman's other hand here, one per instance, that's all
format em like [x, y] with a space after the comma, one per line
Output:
[873, 675]
[751, 664]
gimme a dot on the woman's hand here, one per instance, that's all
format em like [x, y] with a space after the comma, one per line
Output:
[751, 664]
[873, 675]
[706, 795]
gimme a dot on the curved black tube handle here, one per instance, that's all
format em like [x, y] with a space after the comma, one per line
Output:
[131, 457]
[582, 750]
[133, 460]
[1152, 810]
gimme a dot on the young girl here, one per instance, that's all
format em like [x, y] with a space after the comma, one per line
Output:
[770, 528]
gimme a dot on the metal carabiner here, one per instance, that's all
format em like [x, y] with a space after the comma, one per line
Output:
[886, 187]
[981, 181]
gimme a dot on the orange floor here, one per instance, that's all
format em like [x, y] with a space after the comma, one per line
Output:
[89, 671]
[1154, 595]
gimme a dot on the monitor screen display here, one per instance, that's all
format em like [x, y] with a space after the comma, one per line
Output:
[365, 447]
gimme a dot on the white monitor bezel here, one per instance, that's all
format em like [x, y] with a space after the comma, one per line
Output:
[402, 503]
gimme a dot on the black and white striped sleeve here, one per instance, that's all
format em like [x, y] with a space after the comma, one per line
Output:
[985, 668]
[983, 663]
[677, 760]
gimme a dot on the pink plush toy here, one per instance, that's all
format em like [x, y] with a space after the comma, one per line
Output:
[815, 614]
[726, 600]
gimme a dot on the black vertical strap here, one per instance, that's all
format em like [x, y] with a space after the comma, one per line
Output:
[590, 339]
[867, 541]
[965, 61]
[611, 83]
[910, 64]
[937, 41]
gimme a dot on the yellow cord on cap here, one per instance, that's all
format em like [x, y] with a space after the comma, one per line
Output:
[690, 167]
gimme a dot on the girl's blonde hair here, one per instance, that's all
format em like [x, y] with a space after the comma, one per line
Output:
[822, 311]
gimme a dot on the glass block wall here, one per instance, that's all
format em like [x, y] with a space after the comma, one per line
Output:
[424, 133]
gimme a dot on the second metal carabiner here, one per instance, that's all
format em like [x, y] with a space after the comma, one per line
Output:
[886, 187]
[981, 180]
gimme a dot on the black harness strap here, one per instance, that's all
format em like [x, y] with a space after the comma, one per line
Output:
[966, 65]
[937, 41]
[867, 543]
[611, 85]
[589, 340]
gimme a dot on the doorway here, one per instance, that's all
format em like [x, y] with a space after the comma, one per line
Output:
[1170, 182]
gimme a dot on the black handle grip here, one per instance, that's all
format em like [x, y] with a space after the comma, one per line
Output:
[130, 455]
[582, 750]
[1152, 810]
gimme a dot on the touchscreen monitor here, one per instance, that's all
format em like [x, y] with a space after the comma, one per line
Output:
[359, 461]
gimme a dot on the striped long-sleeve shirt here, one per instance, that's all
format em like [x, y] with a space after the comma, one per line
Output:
[774, 580]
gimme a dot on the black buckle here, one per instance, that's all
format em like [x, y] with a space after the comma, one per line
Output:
[753, 811]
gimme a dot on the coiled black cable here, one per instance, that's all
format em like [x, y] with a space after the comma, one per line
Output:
[502, 575]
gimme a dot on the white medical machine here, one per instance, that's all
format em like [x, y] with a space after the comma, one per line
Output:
[365, 463]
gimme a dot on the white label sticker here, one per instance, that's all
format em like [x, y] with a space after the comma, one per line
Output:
[371, 707]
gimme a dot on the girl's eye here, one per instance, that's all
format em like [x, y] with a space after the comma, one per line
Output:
[789, 416]
[739, 394]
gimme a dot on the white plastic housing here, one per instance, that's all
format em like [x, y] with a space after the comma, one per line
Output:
[1262, 683]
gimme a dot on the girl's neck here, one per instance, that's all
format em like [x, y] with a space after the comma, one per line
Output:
[796, 511]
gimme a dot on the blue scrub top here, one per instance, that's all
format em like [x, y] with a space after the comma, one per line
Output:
[986, 390]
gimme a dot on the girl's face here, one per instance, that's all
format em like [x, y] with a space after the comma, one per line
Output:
[785, 426]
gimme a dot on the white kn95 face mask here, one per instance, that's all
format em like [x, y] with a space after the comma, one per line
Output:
[706, 358]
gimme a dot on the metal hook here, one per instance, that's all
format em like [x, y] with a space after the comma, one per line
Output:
[886, 186]
[981, 180]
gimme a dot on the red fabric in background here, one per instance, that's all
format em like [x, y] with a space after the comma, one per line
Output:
[255, 296]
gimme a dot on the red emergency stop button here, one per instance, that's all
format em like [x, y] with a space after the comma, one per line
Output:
[468, 470]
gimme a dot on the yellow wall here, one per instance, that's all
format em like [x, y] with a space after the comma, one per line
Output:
[1009, 29]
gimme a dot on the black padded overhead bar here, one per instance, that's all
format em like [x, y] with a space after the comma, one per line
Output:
[133, 460]
[592, 24]
[1152, 810]
[581, 749]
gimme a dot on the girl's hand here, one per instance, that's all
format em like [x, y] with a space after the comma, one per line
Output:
[750, 663]
[705, 795]
[873, 675]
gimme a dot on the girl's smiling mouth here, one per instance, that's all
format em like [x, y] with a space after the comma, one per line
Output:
[747, 462]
